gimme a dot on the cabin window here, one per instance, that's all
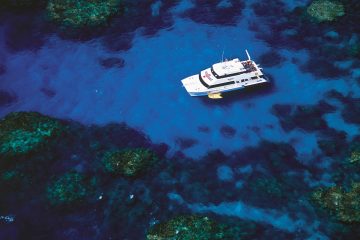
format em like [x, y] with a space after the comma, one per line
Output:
[254, 77]
[216, 85]
[213, 72]
[228, 75]
[202, 81]
[242, 80]
[222, 84]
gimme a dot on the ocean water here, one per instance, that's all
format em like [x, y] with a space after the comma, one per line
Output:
[140, 85]
[147, 93]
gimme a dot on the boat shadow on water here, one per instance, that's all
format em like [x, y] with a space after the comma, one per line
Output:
[250, 92]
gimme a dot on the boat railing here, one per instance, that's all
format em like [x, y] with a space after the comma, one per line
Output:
[249, 66]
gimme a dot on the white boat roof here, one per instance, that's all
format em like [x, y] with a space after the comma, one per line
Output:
[229, 67]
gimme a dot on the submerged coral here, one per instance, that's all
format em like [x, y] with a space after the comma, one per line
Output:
[332, 142]
[271, 59]
[82, 13]
[23, 133]
[354, 49]
[324, 10]
[345, 205]
[355, 157]
[353, 152]
[129, 162]
[351, 110]
[268, 187]
[291, 117]
[69, 189]
[215, 12]
[199, 228]
[130, 206]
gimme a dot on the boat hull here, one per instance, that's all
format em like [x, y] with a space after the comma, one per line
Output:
[242, 87]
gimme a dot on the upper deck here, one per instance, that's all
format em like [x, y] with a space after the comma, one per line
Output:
[232, 67]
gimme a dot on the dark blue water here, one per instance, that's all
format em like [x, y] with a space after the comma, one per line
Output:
[134, 77]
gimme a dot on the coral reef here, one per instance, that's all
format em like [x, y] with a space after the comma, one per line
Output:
[70, 189]
[354, 152]
[271, 59]
[185, 143]
[351, 109]
[296, 29]
[131, 206]
[255, 175]
[23, 133]
[325, 10]
[189, 227]
[355, 156]
[72, 148]
[216, 12]
[129, 162]
[291, 117]
[332, 142]
[354, 49]
[344, 205]
[28, 146]
[78, 14]
[268, 187]
[107, 202]
[346, 167]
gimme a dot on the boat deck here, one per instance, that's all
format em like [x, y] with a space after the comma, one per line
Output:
[249, 66]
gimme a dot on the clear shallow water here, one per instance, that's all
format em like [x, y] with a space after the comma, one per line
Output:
[65, 79]
[147, 94]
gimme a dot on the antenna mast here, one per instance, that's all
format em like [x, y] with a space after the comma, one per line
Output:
[248, 55]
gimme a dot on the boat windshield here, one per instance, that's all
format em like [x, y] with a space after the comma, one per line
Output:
[214, 73]
[202, 81]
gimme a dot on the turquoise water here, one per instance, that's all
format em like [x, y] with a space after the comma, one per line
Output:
[65, 79]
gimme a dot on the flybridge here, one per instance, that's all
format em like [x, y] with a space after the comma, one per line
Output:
[228, 67]
[233, 67]
[225, 76]
[228, 71]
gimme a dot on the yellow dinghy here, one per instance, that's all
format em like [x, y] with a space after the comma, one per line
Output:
[214, 95]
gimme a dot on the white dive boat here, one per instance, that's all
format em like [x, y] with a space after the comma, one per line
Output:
[223, 77]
